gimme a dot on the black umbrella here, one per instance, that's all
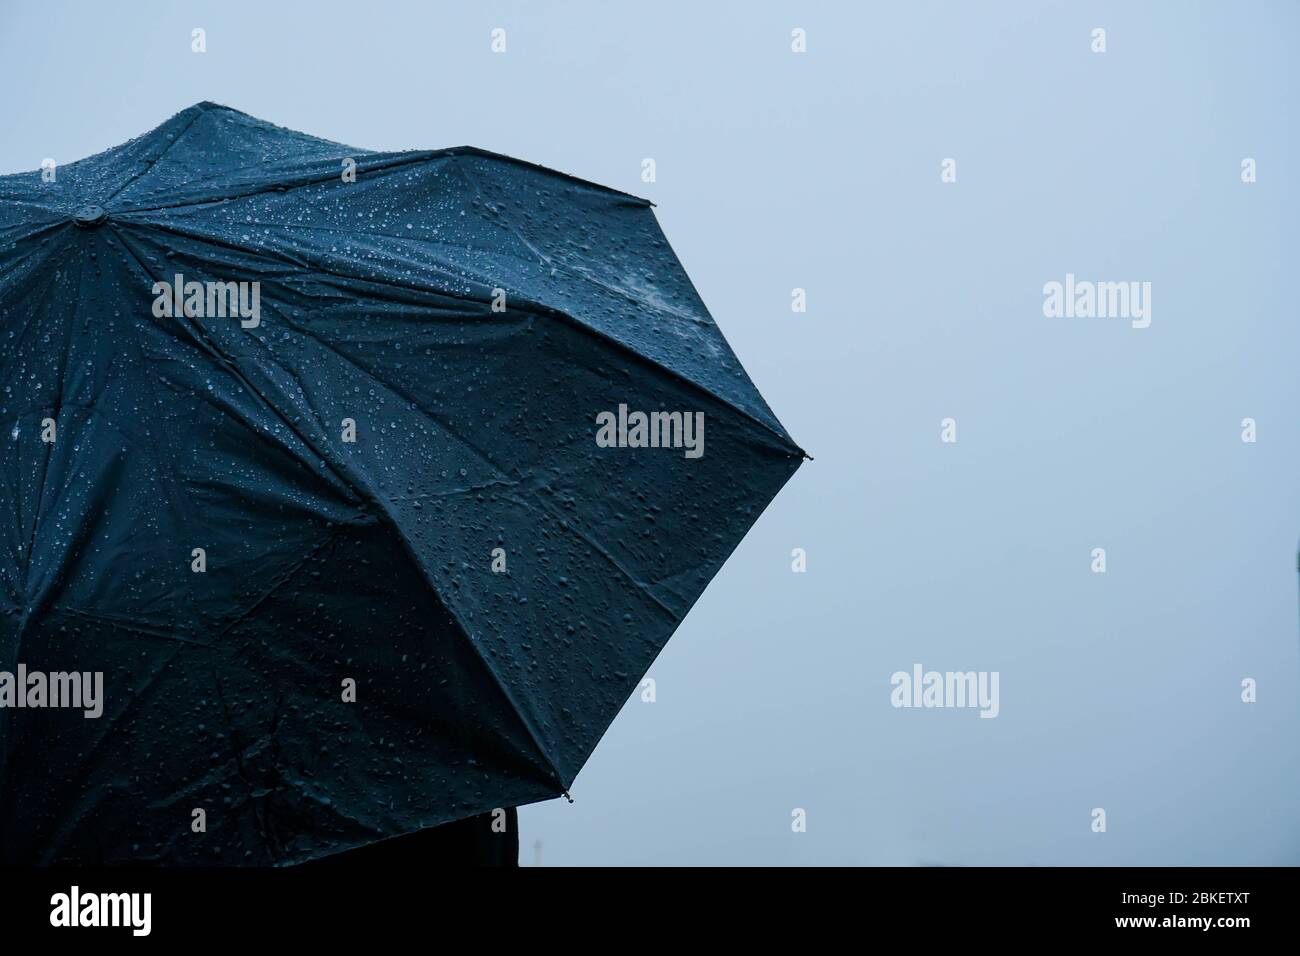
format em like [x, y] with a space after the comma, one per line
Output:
[371, 484]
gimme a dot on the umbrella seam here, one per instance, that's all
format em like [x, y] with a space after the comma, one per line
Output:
[199, 112]
[539, 308]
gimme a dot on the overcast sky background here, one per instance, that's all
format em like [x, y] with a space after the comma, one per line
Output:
[822, 171]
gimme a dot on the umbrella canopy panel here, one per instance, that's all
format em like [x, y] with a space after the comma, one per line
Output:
[301, 455]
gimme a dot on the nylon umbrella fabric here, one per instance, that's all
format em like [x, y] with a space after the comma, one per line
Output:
[340, 536]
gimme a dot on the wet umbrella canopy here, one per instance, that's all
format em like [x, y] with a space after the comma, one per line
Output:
[356, 491]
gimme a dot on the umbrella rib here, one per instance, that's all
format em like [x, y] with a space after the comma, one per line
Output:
[427, 155]
[29, 263]
[502, 477]
[421, 156]
[538, 308]
[524, 718]
[168, 633]
[391, 160]
[284, 577]
[206, 345]
[279, 187]
[198, 112]
[472, 179]
[358, 484]
[37, 604]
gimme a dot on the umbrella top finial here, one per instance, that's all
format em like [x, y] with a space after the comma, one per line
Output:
[87, 217]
